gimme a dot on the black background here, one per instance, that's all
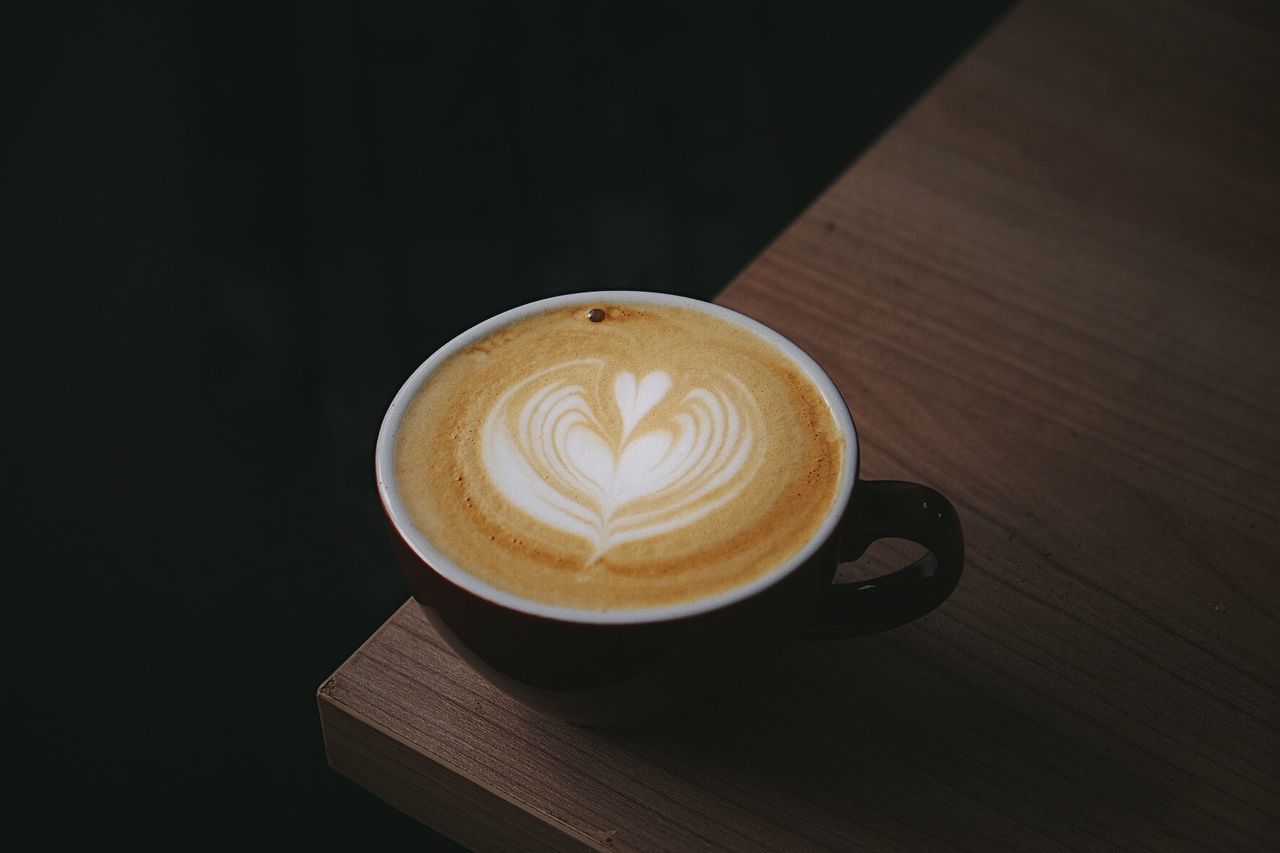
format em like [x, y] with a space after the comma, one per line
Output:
[234, 231]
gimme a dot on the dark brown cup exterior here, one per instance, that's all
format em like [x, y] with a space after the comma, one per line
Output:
[627, 674]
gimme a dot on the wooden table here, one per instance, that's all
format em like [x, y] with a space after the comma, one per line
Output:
[1051, 292]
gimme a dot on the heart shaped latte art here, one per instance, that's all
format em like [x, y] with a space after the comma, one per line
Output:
[630, 466]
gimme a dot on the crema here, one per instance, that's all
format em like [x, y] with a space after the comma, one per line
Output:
[630, 455]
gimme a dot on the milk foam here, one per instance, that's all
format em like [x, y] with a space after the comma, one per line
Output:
[551, 446]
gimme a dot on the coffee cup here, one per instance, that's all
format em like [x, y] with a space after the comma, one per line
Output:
[618, 505]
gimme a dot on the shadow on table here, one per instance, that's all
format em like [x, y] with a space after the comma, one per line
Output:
[883, 731]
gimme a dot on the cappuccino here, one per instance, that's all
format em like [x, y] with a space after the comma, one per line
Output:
[621, 455]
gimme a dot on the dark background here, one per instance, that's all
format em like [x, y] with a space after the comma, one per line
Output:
[235, 229]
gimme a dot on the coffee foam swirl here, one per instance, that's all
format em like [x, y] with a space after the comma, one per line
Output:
[624, 465]
[661, 455]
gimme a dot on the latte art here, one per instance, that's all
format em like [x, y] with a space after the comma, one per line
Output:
[552, 449]
[631, 456]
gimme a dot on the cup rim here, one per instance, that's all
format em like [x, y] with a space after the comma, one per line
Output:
[384, 469]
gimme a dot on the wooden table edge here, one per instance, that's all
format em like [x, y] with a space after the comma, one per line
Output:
[444, 787]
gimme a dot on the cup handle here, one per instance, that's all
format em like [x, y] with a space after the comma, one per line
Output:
[883, 509]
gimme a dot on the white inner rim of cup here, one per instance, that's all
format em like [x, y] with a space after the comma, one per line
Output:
[384, 465]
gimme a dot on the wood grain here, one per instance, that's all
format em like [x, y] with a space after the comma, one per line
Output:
[1051, 291]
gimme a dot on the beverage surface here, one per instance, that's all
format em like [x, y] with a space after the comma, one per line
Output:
[632, 455]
